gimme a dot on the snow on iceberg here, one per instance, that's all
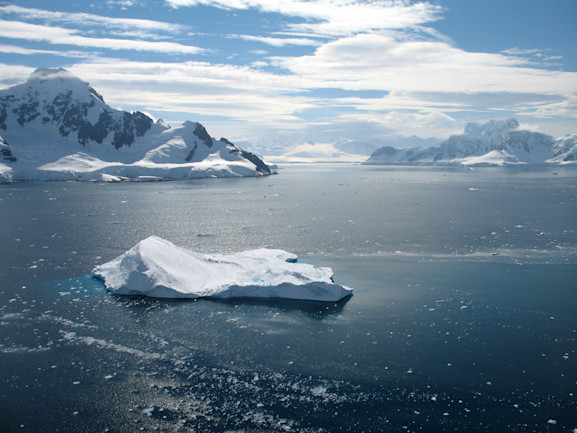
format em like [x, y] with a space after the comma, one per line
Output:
[157, 268]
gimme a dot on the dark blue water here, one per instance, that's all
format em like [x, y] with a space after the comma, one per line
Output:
[463, 317]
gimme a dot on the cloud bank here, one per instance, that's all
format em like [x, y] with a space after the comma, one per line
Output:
[414, 78]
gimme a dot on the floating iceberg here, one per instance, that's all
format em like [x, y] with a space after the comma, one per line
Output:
[157, 268]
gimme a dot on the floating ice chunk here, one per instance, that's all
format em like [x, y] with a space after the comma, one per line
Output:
[157, 268]
[149, 410]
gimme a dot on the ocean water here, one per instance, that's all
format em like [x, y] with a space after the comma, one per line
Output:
[463, 316]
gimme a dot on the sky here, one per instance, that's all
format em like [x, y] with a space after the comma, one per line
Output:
[358, 69]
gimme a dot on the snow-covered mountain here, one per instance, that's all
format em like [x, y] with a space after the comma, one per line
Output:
[565, 150]
[56, 127]
[495, 143]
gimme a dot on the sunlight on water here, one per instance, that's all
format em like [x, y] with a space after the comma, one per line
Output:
[462, 317]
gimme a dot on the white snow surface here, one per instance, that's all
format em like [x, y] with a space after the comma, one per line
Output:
[157, 268]
[5, 173]
[565, 150]
[495, 158]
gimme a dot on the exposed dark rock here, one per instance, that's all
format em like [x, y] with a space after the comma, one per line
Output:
[7, 155]
[69, 113]
[3, 115]
[27, 111]
[261, 167]
[224, 140]
[142, 123]
[191, 154]
[201, 133]
[6, 152]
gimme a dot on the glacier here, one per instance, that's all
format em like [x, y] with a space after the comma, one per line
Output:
[55, 126]
[497, 143]
[157, 268]
[328, 146]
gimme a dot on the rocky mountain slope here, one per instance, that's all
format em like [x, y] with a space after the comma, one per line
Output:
[56, 127]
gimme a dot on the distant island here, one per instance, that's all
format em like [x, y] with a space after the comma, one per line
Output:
[57, 127]
[493, 144]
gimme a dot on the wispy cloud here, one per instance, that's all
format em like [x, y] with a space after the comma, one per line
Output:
[90, 30]
[63, 36]
[85, 19]
[534, 56]
[279, 42]
[13, 49]
[521, 51]
[335, 17]
[13, 74]
[201, 89]
[123, 4]
[417, 76]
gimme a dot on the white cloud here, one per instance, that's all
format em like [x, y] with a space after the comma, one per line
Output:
[335, 17]
[373, 45]
[379, 61]
[562, 109]
[123, 4]
[13, 74]
[259, 64]
[238, 93]
[12, 49]
[521, 51]
[279, 42]
[402, 120]
[62, 36]
[215, 78]
[247, 98]
[85, 19]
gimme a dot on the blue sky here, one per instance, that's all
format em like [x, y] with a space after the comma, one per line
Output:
[248, 69]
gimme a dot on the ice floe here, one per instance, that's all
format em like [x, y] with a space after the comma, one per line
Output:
[156, 267]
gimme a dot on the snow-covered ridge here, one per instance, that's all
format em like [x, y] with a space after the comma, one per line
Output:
[495, 143]
[157, 268]
[57, 127]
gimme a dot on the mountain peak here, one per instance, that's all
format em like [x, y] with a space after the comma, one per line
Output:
[52, 81]
[48, 73]
[491, 127]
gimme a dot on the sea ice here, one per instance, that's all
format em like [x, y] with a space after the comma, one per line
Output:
[157, 268]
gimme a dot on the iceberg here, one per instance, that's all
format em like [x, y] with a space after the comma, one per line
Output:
[157, 268]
